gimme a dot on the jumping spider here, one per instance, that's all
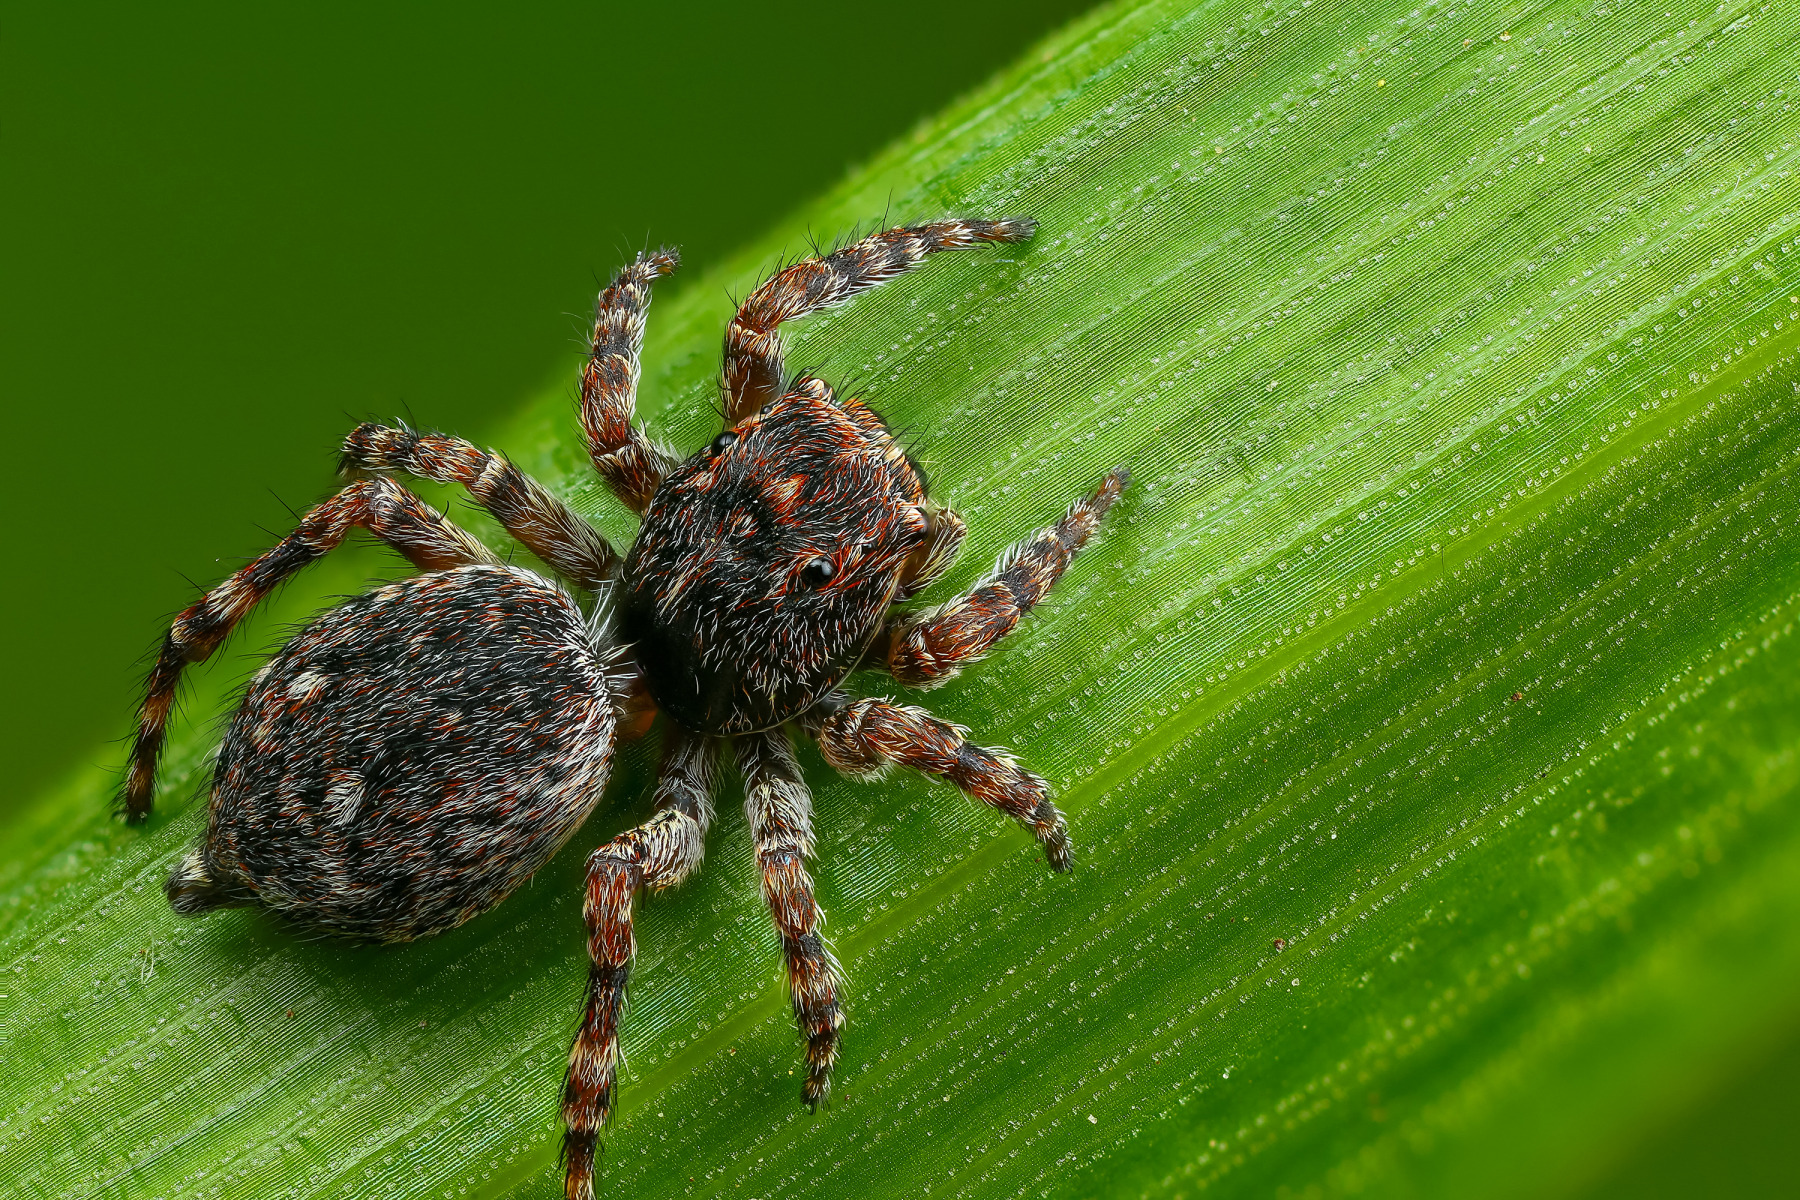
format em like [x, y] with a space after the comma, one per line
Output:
[415, 753]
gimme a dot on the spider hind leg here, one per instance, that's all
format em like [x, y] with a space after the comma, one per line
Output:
[657, 854]
[383, 507]
[527, 510]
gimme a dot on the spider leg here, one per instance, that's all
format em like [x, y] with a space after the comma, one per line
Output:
[924, 649]
[753, 370]
[657, 854]
[625, 458]
[864, 736]
[779, 809]
[527, 510]
[381, 506]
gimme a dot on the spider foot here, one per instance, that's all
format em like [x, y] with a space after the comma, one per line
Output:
[1053, 834]
[1012, 229]
[817, 1088]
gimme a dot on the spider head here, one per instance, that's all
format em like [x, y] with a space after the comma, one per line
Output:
[765, 562]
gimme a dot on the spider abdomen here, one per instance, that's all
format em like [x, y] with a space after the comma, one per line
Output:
[408, 758]
[412, 756]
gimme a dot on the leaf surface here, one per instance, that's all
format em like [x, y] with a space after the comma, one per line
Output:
[1426, 716]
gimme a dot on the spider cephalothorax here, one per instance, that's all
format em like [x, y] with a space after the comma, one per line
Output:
[414, 754]
[765, 562]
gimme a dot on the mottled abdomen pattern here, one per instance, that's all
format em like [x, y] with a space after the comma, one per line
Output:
[409, 758]
[415, 754]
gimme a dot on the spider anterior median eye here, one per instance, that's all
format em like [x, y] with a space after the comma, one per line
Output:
[544, 693]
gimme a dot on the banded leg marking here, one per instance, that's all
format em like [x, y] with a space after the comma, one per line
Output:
[753, 364]
[523, 506]
[864, 736]
[657, 854]
[924, 649]
[779, 809]
[625, 458]
[381, 506]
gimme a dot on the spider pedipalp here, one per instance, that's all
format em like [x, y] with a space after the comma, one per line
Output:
[412, 755]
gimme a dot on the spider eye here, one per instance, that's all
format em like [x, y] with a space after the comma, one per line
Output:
[723, 440]
[767, 408]
[817, 572]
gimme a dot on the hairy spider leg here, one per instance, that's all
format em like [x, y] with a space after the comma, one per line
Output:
[779, 809]
[924, 649]
[381, 506]
[657, 854]
[631, 466]
[527, 510]
[752, 376]
[864, 736]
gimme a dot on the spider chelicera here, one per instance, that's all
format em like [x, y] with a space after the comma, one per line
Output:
[414, 754]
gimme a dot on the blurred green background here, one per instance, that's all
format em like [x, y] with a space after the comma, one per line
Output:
[234, 231]
[231, 232]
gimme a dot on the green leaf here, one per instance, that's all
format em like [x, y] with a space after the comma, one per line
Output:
[1427, 717]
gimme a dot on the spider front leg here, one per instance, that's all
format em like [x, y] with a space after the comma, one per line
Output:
[779, 809]
[753, 367]
[381, 506]
[863, 737]
[657, 854]
[625, 458]
[924, 649]
[523, 506]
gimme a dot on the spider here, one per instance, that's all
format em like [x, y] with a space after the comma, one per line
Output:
[414, 754]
